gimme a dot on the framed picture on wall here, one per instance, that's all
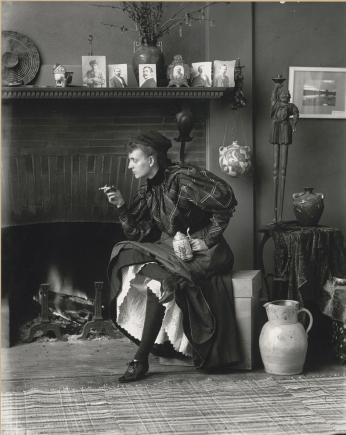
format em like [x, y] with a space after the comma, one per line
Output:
[318, 92]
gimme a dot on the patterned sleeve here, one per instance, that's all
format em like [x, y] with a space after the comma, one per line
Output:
[211, 194]
[135, 219]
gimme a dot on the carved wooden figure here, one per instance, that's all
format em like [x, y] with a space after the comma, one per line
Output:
[281, 136]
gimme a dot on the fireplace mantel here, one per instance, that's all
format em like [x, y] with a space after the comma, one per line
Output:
[77, 92]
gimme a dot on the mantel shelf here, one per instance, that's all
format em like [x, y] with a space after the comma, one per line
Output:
[76, 92]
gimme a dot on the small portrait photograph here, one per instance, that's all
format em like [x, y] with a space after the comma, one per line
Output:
[147, 75]
[178, 72]
[94, 71]
[117, 75]
[201, 75]
[224, 73]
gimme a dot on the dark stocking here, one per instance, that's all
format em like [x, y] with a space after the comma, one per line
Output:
[153, 320]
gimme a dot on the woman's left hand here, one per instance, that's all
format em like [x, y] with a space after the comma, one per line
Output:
[198, 245]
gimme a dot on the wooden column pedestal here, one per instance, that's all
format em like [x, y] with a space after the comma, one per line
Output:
[250, 315]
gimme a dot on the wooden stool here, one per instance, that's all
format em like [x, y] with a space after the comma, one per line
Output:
[249, 315]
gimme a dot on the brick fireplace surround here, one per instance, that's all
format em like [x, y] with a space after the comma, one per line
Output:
[55, 155]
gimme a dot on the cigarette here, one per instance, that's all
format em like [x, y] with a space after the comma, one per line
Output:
[104, 188]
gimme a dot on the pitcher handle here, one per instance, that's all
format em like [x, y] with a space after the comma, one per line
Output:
[310, 318]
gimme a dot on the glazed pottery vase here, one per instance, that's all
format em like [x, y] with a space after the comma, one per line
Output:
[150, 54]
[283, 340]
[308, 206]
[235, 159]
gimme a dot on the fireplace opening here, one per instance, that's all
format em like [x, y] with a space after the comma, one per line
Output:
[69, 255]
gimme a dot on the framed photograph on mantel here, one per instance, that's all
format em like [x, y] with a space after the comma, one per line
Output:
[318, 92]
[94, 71]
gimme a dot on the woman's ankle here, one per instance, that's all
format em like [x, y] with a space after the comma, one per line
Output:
[142, 357]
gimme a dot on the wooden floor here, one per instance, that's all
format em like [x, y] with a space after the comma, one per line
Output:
[91, 363]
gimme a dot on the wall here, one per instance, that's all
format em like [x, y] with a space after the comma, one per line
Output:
[300, 34]
[60, 31]
[231, 38]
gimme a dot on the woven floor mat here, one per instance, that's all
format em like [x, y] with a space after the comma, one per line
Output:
[217, 405]
[326, 396]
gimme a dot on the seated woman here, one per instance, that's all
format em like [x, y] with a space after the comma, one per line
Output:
[162, 301]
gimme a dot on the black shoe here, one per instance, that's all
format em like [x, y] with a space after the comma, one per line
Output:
[136, 370]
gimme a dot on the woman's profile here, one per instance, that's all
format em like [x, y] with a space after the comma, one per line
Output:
[165, 304]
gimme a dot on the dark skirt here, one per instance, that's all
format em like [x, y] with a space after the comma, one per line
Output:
[202, 288]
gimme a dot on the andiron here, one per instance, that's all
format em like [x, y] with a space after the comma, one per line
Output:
[98, 324]
[45, 325]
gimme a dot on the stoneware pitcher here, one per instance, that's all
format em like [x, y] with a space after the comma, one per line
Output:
[283, 340]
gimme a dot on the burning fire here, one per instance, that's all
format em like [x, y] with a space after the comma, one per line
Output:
[65, 301]
[62, 285]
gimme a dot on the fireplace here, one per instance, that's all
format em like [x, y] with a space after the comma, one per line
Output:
[75, 253]
[56, 153]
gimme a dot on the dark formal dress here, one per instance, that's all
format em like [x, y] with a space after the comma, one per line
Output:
[117, 82]
[197, 295]
[201, 82]
[94, 80]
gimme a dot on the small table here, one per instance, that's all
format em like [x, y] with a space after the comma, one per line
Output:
[304, 258]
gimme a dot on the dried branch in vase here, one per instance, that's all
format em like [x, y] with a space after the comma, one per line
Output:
[148, 16]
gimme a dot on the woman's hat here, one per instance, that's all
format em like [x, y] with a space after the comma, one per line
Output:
[154, 139]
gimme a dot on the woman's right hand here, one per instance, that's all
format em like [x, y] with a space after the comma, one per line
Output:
[114, 196]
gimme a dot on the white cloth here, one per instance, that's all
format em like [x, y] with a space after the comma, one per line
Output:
[131, 306]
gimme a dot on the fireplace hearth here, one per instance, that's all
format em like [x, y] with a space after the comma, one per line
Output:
[64, 314]
[76, 252]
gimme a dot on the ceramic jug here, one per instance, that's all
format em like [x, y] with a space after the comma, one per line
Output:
[283, 340]
[308, 206]
[182, 247]
[235, 159]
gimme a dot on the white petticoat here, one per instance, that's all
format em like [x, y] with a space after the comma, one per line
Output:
[131, 306]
